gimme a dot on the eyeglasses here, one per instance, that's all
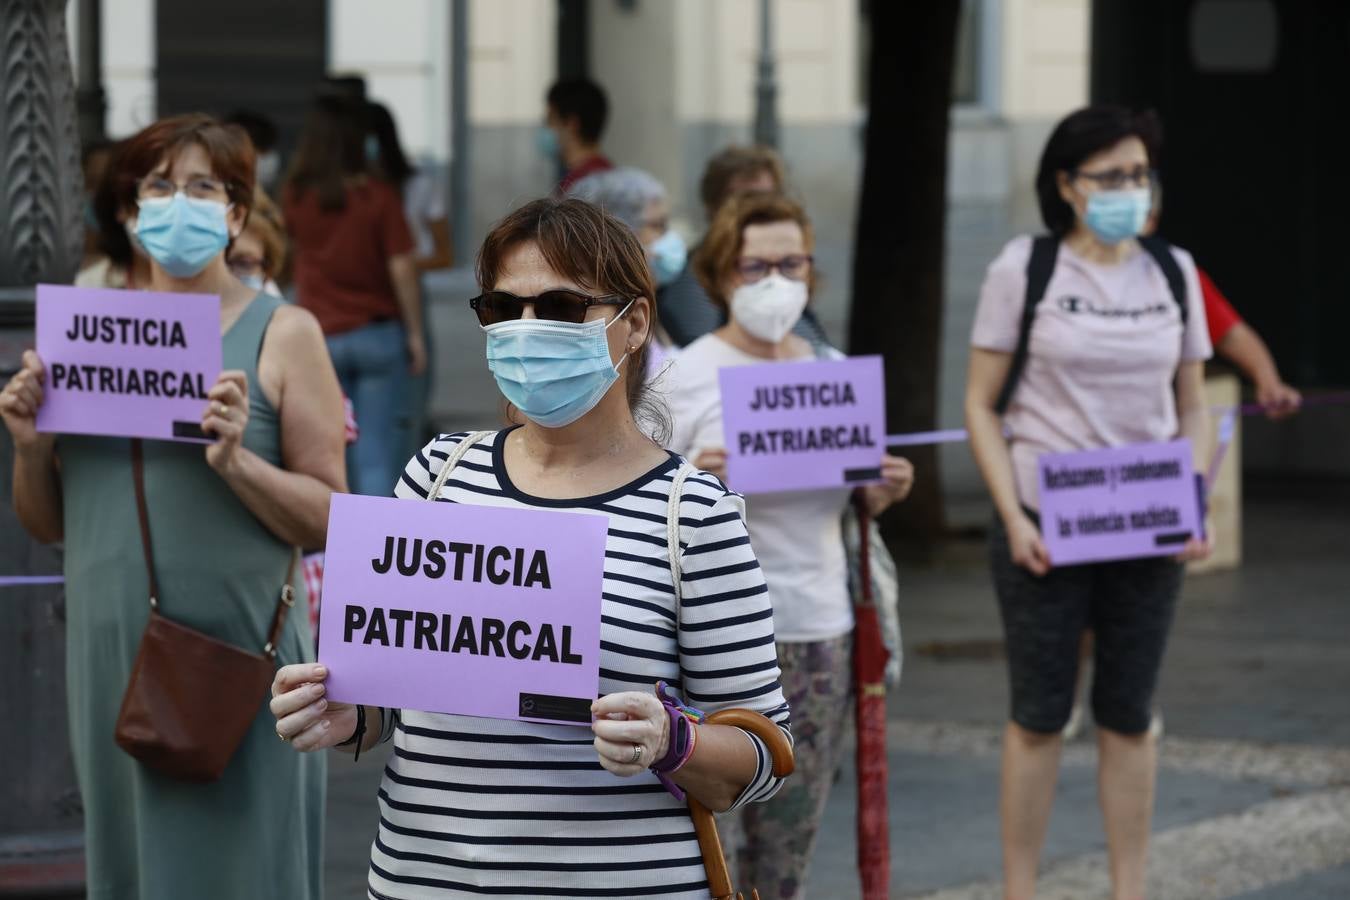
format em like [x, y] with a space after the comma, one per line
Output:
[795, 266]
[1116, 179]
[153, 187]
[242, 265]
[558, 305]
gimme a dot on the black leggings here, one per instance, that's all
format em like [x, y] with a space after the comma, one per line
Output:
[1128, 604]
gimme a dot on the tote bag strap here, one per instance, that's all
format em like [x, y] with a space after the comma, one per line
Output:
[456, 455]
[673, 528]
[285, 601]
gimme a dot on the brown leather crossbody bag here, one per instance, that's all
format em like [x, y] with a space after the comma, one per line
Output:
[191, 698]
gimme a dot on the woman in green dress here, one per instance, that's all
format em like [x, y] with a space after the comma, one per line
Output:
[225, 521]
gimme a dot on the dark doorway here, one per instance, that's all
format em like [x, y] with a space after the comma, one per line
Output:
[217, 56]
[1255, 101]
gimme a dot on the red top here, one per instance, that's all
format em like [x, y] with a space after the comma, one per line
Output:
[589, 166]
[1219, 313]
[342, 258]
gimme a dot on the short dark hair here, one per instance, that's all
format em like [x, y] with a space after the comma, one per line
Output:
[1077, 137]
[581, 241]
[584, 100]
[108, 206]
[262, 131]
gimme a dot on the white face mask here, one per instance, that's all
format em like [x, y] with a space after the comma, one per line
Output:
[768, 308]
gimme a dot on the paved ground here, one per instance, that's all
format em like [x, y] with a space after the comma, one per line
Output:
[1254, 794]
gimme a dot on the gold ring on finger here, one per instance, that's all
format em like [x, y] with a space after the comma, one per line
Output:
[222, 409]
[284, 739]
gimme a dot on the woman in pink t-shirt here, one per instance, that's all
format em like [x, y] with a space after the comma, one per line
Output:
[1110, 361]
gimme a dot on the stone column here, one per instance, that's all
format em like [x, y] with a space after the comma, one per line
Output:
[41, 186]
[41, 225]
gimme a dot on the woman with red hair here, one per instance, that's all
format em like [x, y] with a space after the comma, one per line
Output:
[224, 522]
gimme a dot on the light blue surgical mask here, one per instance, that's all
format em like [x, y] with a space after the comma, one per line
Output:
[182, 233]
[553, 372]
[546, 142]
[372, 148]
[1115, 216]
[252, 280]
[669, 255]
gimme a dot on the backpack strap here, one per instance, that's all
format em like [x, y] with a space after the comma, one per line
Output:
[673, 529]
[1161, 252]
[1041, 265]
[456, 455]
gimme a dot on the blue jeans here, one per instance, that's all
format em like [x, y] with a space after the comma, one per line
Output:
[372, 365]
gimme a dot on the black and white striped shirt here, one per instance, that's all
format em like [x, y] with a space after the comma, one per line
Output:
[472, 806]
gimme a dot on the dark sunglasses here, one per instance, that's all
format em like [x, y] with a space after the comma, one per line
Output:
[559, 305]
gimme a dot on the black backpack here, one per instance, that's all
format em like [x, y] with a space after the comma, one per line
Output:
[1044, 251]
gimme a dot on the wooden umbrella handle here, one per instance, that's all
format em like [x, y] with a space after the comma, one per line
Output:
[705, 825]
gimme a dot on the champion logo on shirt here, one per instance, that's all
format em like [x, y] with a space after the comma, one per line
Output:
[1072, 304]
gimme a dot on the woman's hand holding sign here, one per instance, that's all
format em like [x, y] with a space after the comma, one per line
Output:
[304, 716]
[714, 460]
[19, 403]
[226, 417]
[897, 479]
[632, 731]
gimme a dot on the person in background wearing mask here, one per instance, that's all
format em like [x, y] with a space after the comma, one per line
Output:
[122, 262]
[575, 113]
[686, 312]
[1113, 359]
[257, 257]
[224, 518]
[262, 131]
[428, 220]
[567, 313]
[638, 200]
[1236, 341]
[356, 270]
[756, 263]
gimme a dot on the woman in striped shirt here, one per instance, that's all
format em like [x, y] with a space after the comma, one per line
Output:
[473, 806]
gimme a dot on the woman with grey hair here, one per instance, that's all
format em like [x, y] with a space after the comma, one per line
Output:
[637, 199]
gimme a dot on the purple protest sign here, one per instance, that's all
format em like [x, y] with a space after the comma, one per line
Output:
[454, 608]
[1118, 503]
[803, 425]
[126, 363]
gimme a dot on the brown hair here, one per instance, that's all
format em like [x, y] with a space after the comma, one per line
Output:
[737, 162]
[582, 242]
[331, 152]
[715, 260]
[270, 227]
[227, 146]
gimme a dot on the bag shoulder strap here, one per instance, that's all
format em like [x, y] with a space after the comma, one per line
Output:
[1040, 267]
[284, 602]
[685, 469]
[143, 518]
[456, 455]
[1161, 252]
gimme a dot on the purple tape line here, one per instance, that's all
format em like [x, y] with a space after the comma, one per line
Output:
[18, 580]
[945, 436]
